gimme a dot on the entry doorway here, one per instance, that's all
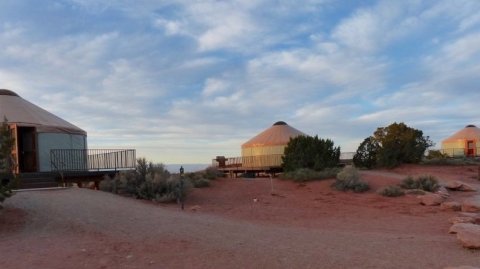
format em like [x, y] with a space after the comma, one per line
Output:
[471, 148]
[27, 149]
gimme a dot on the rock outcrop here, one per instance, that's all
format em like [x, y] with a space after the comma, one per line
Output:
[471, 205]
[468, 234]
[451, 206]
[431, 199]
[458, 186]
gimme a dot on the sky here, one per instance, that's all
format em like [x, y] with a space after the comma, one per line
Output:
[185, 81]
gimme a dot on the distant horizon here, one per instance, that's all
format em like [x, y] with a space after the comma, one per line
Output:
[187, 81]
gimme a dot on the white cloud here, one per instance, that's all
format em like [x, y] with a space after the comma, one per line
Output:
[214, 86]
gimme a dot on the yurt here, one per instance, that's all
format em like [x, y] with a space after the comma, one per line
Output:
[37, 132]
[463, 143]
[267, 148]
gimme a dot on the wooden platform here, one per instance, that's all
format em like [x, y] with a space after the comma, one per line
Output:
[57, 179]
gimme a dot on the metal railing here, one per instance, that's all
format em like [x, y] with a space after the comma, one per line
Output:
[92, 159]
[272, 160]
[261, 161]
[461, 152]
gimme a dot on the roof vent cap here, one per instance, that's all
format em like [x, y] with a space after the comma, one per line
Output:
[7, 92]
[279, 123]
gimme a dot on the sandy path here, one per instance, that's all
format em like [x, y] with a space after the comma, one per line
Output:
[78, 228]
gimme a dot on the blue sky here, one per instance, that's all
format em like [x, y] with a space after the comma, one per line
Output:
[184, 81]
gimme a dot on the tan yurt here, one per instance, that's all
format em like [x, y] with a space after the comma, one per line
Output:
[463, 143]
[37, 132]
[266, 148]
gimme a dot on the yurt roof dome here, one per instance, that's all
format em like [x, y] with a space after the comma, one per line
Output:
[23, 113]
[278, 134]
[470, 132]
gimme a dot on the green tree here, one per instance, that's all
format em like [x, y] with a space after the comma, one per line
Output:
[393, 145]
[310, 152]
[366, 155]
[6, 161]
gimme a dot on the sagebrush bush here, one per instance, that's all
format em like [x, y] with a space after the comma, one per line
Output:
[201, 183]
[106, 184]
[426, 183]
[349, 179]
[391, 191]
[149, 181]
[306, 174]
[213, 173]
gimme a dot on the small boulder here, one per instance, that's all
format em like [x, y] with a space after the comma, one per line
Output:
[452, 184]
[415, 192]
[458, 227]
[471, 205]
[466, 187]
[460, 219]
[431, 199]
[195, 208]
[451, 206]
[457, 185]
[442, 191]
[470, 236]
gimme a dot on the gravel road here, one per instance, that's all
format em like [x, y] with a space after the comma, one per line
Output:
[79, 228]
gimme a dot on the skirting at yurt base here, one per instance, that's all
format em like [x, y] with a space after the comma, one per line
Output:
[37, 132]
[266, 149]
[465, 142]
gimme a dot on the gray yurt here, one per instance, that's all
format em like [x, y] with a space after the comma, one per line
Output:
[37, 132]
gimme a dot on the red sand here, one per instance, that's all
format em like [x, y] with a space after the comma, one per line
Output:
[238, 223]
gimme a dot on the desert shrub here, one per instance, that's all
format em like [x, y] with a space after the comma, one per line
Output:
[436, 154]
[5, 192]
[149, 181]
[305, 174]
[6, 161]
[212, 173]
[391, 191]
[201, 183]
[426, 183]
[310, 152]
[349, 179]
[391, 146]
[106, 184]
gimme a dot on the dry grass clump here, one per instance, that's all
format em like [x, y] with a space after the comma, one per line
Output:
[427, 183]
[349, 179]
[391, 191]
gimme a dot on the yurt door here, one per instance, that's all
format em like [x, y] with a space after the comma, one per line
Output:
[470, 148]
[27, 149]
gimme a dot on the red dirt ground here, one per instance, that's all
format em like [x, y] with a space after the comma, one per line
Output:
[238, 223]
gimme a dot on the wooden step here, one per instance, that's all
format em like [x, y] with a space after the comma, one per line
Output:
[37, 180]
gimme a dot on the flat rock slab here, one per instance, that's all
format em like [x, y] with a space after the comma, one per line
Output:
[457, 185]
[471, 205]
[455, 220]
[431, 199]
[451, 206]
[468, 234]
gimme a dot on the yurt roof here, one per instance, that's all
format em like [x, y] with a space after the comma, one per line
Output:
[23, 113]
[278, 134]
[470, 132]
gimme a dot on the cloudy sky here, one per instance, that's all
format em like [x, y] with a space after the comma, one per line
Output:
[185, 80]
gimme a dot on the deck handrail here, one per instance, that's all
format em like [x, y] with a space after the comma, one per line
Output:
[460, 152]
[92, 159]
